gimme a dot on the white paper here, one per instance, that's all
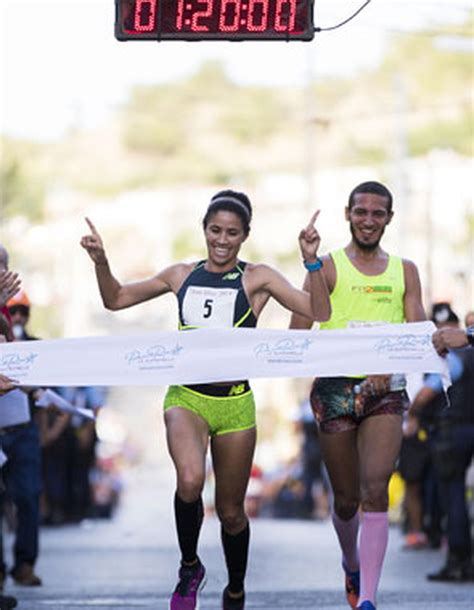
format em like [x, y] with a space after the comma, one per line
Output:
[14, 409]
[213, 355]
[50, 397]
[3, 458]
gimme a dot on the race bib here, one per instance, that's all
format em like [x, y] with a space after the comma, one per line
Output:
[209, 307]
[365, 323]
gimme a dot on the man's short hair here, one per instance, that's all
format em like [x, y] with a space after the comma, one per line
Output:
[375, 188]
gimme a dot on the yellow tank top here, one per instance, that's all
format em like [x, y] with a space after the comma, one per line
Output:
[363, 300]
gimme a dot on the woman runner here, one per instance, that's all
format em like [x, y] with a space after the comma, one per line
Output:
[220, 291]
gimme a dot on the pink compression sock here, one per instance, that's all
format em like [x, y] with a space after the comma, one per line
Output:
[373, 544]
[347, 533]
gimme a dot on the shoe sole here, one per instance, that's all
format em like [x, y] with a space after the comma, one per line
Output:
[200, 588]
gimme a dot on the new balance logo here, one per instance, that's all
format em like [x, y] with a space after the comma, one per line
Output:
[231, 276]
[235, 390]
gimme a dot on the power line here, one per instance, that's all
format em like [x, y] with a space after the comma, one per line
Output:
[335, 27]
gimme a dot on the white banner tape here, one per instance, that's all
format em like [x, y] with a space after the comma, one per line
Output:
[207, 355]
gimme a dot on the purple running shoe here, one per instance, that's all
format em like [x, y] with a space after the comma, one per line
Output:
[191, 581]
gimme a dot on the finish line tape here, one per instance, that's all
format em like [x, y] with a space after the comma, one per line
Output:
[216, 355]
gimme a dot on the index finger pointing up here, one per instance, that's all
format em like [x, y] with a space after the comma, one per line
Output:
[91, 226]
[313, 219]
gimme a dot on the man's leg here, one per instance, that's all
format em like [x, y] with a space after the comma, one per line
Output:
[379, 443]
[339, 451]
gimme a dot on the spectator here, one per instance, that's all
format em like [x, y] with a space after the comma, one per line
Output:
[19, 441]
[453, 447]
[81, 440]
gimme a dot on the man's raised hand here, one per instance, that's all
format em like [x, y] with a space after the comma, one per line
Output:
[310, 239]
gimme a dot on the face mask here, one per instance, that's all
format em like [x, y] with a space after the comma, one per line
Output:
[17, 330]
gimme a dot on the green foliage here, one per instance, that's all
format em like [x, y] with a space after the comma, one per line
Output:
[252, 115]
[154, 121]
[21, 190]
[163, 119]
[207, 129]
[185, 244]
[455, 135]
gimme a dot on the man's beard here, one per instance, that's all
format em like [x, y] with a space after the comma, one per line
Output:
[362, 245]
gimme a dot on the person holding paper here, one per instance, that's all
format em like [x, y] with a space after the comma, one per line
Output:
[219, 291]
[452, 446]
[6, 384]
[445, 339]
[360, 419]
[19, 440]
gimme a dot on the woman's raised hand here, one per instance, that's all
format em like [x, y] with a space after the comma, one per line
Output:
[310, 239]
[94, 245]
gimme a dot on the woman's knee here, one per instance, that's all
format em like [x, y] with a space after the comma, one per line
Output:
[190, 484]
[233, 518]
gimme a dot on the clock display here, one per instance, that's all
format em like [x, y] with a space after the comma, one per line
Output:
[214, 19]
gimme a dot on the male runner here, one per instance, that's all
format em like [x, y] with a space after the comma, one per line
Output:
[361, 433]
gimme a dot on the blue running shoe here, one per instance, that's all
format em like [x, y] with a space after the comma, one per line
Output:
[366, 606]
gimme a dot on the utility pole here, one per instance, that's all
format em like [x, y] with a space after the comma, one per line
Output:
[309, 131]
[400, 156]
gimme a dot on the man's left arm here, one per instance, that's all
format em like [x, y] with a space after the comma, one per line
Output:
[413, 312]
[412, 300]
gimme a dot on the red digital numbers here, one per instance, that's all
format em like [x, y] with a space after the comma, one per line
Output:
[145, 16]
[196, 24]
[229, 18]
[236, 15]
[214, 19]
[285, 15]
[257, 20]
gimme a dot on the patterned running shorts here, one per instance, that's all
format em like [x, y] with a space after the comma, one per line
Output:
[335, 408]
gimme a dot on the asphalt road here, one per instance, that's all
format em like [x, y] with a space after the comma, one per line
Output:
[131, 562]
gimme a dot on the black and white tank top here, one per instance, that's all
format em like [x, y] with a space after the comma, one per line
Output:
[214, 300]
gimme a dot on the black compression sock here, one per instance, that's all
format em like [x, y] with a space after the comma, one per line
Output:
[189, 516]
[236, 550]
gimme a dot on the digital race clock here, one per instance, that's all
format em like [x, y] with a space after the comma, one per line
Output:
[214, 19]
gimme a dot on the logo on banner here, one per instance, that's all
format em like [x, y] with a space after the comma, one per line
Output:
[283, 351]
[154, 357]
[406, 347]
[17, 364]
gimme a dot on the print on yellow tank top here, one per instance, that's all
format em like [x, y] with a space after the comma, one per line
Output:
[363, 300]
